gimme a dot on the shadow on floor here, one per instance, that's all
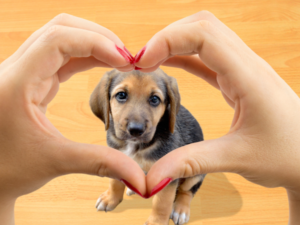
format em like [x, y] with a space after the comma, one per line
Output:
[217, 197]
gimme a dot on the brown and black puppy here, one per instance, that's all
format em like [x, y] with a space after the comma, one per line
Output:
[144, 119]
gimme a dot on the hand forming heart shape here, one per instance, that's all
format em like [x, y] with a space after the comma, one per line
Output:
[264, 130]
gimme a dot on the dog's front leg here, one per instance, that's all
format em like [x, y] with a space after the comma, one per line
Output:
[109, 200]
[162, 205]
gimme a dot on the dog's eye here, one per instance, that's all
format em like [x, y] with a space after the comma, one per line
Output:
[121, 96]
[154, 100]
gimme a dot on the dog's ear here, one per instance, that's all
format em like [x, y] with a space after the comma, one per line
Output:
[99, 100]
[174, 101]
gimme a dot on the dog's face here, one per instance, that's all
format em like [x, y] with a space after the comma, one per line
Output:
[136, 102]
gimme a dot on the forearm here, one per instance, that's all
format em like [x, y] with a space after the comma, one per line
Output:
[7, 212]
[294, 207]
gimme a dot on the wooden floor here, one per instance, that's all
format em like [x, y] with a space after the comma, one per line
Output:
[270, 27]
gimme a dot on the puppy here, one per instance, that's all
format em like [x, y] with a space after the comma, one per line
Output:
[144, 119]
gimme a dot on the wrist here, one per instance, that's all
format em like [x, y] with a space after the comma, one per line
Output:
[294, 206]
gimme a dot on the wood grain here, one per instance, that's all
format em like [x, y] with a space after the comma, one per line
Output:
[270, 27]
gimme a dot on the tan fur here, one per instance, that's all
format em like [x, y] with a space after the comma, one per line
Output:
[139, 157]
[139, 90]
[100, 104]
[112, 197]
[181, 208]
[174, 96]
[189, 183]
[162, 206]
[99, 100]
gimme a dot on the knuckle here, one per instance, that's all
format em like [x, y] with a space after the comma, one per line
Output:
[205, 14]
[51, 32]
[60, 18]
[164, 33]
[204, 24]
[101, 171]
[166, 36]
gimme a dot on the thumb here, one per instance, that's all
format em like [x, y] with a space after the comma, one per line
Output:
[72, 157]
[219, 155]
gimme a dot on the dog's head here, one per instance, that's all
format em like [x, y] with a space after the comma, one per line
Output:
[135, 102]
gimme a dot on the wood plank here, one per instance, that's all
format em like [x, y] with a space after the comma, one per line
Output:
[269, 27]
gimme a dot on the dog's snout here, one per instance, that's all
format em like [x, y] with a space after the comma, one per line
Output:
[136, 129]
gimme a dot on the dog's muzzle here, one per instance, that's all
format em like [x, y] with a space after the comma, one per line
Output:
[136, 129]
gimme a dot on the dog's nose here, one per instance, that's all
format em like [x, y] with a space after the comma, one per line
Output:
[135, 129]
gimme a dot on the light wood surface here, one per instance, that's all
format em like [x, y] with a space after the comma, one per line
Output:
[270, 27]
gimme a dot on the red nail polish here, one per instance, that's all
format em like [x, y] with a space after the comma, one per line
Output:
[137, 68]
[129, 55]
[160, 186]
[124, 54]
[139, 55]
[132, 188]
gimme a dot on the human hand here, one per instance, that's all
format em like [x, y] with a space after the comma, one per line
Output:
[263, 142]
[32, 150]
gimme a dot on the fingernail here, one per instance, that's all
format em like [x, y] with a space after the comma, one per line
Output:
[129, 55]
[137, 68]
[124, 54]
[139, 55]
[160, 186]
[129, 185]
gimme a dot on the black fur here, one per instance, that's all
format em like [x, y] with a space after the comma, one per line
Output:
[187, 131]
[196, 187]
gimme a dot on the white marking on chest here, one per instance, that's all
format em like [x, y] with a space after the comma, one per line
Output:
[130, 149]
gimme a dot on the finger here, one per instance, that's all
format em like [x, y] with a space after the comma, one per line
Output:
[206, 15]
[225, 154]
[59, 44]
[194, 65]
[194, 38]
[76, 65]
[53, 49]
[72, 157]
[70, 21]
[151, 69]
[217, 51]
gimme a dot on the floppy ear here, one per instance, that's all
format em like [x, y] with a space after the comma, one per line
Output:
[99, 100]
[174, 101]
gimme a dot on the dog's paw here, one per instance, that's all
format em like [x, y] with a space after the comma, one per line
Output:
[129, 192]
[108, 202]
[180, 214]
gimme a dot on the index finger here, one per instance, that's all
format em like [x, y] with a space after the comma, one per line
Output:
[208, 16]
[201, 37]
[67, 20]
[59, 43]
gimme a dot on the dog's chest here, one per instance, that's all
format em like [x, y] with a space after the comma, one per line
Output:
[131, 151]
